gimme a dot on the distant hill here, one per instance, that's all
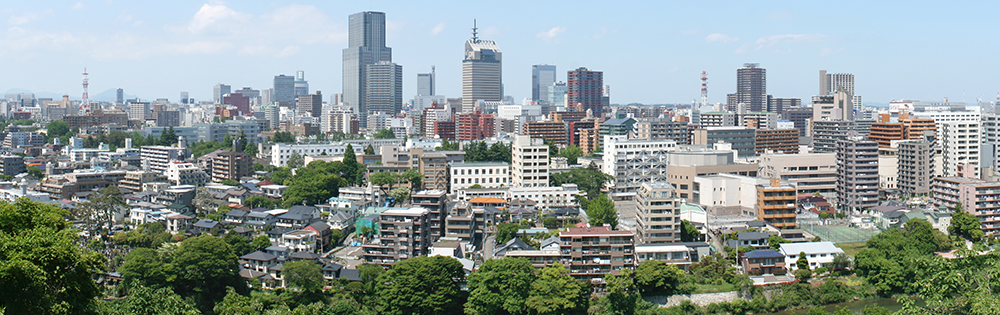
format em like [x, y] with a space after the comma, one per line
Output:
[109, 95]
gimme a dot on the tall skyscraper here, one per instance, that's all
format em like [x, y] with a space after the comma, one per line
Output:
[482, 72]
[585, 90]
[284, 90]
[121, 97]
[425, 83]
[220, 90]
[184, 97]
[557, 94]
[365, 46]
[751, 88]
[830, 82]
[384, 88]
[301, 85]
[542, 76]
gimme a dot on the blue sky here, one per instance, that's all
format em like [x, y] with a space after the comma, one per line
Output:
[650, 51]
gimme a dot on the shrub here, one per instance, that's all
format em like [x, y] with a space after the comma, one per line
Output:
[781, 272]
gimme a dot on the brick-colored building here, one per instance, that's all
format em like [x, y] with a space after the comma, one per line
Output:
[549, 130]
[776, 204]
[777, 140]
[476, 126]
[231, 165]
[445, 129]
[96, 118]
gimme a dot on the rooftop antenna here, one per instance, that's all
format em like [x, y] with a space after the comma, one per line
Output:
[475, 39]
[704, 88]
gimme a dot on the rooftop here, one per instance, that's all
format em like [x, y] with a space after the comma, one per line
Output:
[810, 248]
[593, 231]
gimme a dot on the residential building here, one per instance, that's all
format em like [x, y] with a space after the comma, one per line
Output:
[12, 165]
[633, 162]
[585, 91]
[780, 105]
[686, 164]
[799, 116]
[529, 162]
[777, 140]
[764, 262]
[549, 130]
[837, 106]
[826, 133]
[185, 173]
[743, 139]
[976, 196]
[857, 174]
[310, 104]
[657, 214]
[96, 117]
[159, 157]
[231, 165]
[718, 119]
[475, 126]
[383, 88]
[365, 46]
[436, 203]
[808, 172]
[482, 73]
[590, 253]
[218, 91]
[548, 198]
[776, 204]
[403, 233]
[915, 166]
[134, 180]
[484, 174]
[818, 254]
[960, 146]
[663, 128]
[751, 88]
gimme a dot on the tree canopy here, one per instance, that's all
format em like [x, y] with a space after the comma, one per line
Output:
[587, 179]
[500, 285]
[421, 285]
[556, 292]
[385, 134]
[315, 183]
[601, 211]
[966, 225]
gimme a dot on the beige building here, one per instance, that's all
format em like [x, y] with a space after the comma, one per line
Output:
[657, 215]
[809, 172]
[529, 162]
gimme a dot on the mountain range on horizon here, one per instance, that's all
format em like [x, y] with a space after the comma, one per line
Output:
[109, 95]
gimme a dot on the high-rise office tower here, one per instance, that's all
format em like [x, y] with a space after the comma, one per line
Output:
[267, 96]
[310, 104]
[585, 90]
[482, 72]
[557, 94]
[365, 46]
[121, 97]
[830, 82]
[220, 90]
[542, 76]
[425, 83]
[751, 88]
[184, 97]
[384, 88]
[301, 85]
[284, 90]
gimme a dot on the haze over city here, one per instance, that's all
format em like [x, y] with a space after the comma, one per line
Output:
[650, 52]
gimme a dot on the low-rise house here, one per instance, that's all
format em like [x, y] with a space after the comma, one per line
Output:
[752, 239]
[259, 261]
[293, 220]
[323, 234]
[236, 217]
[273, 190]
[764, 262]
[818, 254]
[300, 241]
[274, 235]
[204, 226]
[178, 223]
[260, 219]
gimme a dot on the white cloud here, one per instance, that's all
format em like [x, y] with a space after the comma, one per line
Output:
[770, 41]
[25, 18]
[550, 35]
[79, 5]
[743, 49]
[201, 47]
[829, 51]
[722, 38]
[601, 34]
[288, 51]
[437, 29]
[218, 18]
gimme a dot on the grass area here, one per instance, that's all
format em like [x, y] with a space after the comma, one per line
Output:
[852, 248]
[712, 288]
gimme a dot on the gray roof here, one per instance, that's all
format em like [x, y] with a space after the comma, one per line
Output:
[752, 235]
[300, 209]
[320, 226]
[350, 274]
[303, 255]
[294, 216]
[278, 231]
[259, 256]
[206, 223]
[236, 213]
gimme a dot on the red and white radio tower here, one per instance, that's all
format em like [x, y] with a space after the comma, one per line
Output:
[704, 89]
[85, 104]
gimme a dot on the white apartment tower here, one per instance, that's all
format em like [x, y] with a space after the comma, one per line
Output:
[960, 145]
[529, 162]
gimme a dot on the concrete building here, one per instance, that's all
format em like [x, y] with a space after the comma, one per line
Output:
[916, 167]
[976, 196]
[780, 105]
[777, 140]
[484, 174]
[159, 157]
[818, 254]
[403, 233]
[556, 96]
[365, 46]
[800, 117]
[836, 106]
[751, 87]
[888, 168]
[776, 204]
[12, 165]
[808, 172]
[657, 214]
[554, 131]
[542, 76]
[743, 139]
[548, 197]
[633, 162]
[686, 164]
[590, 253]
[960, 146]
[309, 104]
[218, 91]
[185, 173]
[284, 90]
[718, 119]
[231, 165]
[383, 88]
[663, 129]
[475, 126]
[826, 133]
[482, 72]
[585, 91]
[857, 175]
[529, 162]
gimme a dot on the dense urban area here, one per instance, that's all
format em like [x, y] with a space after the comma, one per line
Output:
[275, 201]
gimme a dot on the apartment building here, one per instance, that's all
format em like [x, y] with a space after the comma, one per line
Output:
[977, 197]
[185, 173]
[160, 157]
[436, 203]
[776, 204]
[529, 162]
[554, 131]
[808, 172]
[915, 166]
[589, 253]
[403, 233]
[743, 139]
[12, 165]
[657, 214]
[548, 197]
[777, 140]
[633, 162]
[663, 129]
[960, 146]
[133, 180]
[484, 174]
[857, 174]
[231, 165]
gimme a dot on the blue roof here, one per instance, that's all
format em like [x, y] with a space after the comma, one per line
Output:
[765, 253]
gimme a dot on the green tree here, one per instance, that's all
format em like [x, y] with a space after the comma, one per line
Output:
[304, 275]
[168, 136]
[56, 129]
[802, 262]
[689, 232]
[239, 243]
[237, 304]
[205, 266]
[353, 172]
[500, 286]
[100, 209]
[654, 277]
[369, 274]
[571, 153]
[154, 301]
[250, 149]
[144, 267]
[259, 202]
[36, 172]
[841, 262]
[507, 231]
[230, 182]
[295, 160]
[413, 177]
[385, 134]
[803, 274]
[965, 225]
[421, 285]
[42, 269]
[554, 291]
[283, 137]
[384, 180]
[622, 297]
[369, 150]
[260, 243]
[602, 211]
[476, 186]
[588, 179]
[401, 195]
[447, 145]
[281, 175]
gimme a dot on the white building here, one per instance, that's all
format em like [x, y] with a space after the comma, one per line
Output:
[817, 253]
[960, 145]
[727, 194]
[299, 241]
[160, 156]
[633, 162]
[185, 173]
[485, 174]
[280, 152]
[548, 197]
[530, 162]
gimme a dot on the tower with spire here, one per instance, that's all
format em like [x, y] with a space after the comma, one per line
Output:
[482, 72]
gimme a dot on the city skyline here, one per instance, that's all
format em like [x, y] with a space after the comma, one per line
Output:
[157, 51]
